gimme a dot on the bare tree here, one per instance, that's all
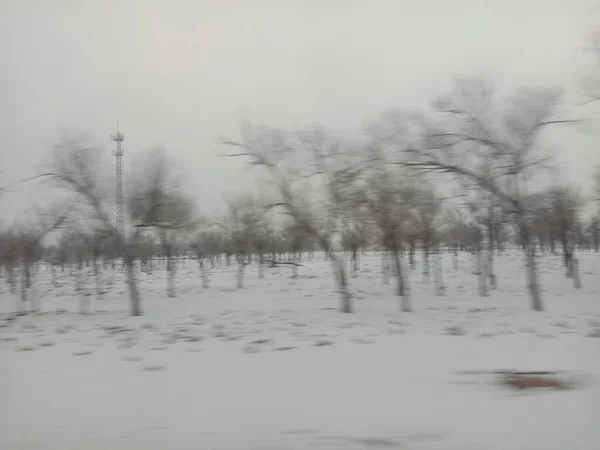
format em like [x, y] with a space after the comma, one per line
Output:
[387, 199]
[294, 239]
[146, 250]
[78, 253]
[425, 210]
[495, 152]
[312, 154]
[260, 241]
[355, 236]
[486, 217]
[29, 246]
[564, 205]
[76, 168]
[156, 201]
[242, 226]
[95, 244]
[206, 246]
[9, 254]
[457, 232]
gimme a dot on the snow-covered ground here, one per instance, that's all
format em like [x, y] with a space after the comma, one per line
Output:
[275, 366]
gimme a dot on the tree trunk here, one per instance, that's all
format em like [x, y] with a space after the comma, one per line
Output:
[568, 262]
[490, 265]
[532, 278]
[402, 288]
[426, 270]
[22, 304]
[98, 279]
[355, 262]
[482, 274]
[398, 272]
[574, 269]
[455, 257]
[385, 267]
[567, 255]
[171, 279]
[134, 295]
[204, 274]
[27, 273]
[411, 254]
[438, 274]
[340, 275]
[53, 275]
[240, 274]
[78, 275]
[11, 278]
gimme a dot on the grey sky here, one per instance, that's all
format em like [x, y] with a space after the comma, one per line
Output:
[181, 73]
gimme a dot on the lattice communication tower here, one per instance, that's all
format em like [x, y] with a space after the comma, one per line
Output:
[118, 137]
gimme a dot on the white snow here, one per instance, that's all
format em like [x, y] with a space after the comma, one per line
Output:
[276, 366]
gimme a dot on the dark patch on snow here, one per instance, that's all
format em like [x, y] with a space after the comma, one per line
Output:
[154, 368]
[455, 331]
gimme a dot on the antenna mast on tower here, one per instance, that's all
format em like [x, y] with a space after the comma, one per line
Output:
[118, 153]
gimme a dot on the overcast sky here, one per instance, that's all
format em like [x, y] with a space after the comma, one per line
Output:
[181, 73]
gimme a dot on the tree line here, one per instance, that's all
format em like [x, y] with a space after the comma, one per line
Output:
[462, 175]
